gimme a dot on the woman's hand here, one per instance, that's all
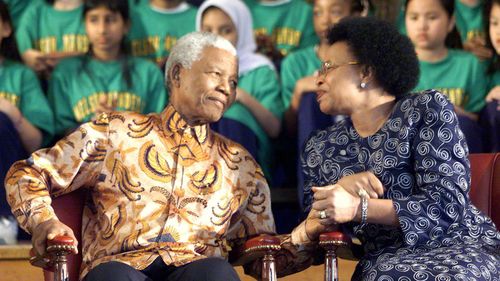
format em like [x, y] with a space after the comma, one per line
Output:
[336, 204]
[49, 230]
[366, 181]
[11, 111]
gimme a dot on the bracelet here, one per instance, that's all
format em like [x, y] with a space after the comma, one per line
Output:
[364, 210]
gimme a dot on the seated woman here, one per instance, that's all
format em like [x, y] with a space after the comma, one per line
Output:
[255, 116]
[395, 171]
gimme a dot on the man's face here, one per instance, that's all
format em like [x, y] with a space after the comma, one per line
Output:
[204, 92]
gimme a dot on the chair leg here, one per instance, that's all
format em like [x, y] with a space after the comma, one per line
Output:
[269, 267]
[331, 270]
[61, 269]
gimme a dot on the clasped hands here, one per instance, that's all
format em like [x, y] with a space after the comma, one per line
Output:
[340, 202]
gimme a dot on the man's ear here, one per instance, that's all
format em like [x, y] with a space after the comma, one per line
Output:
[6, 30]
[175, 75]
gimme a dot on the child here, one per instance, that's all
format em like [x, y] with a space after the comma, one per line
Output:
[49, 31]
[26, 121]
[492, 112]
[157, 26]
[106, 78]
[258, 105]
[286, 22]
[455, 73]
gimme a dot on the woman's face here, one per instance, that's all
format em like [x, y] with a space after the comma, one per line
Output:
[494, 27]
[427, 23]
[214, 20]
[105, 29]
[327, 13]
[338, 91]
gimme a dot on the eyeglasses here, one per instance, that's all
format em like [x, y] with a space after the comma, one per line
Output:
[327, 66]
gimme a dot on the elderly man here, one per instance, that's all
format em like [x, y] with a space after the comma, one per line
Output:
[168, 197]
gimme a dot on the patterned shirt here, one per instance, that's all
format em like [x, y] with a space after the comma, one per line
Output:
[157, 187]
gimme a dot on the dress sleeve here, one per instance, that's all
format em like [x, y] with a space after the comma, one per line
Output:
[71, 163]
[442, 175]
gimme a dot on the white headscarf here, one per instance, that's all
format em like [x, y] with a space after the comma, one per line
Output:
[242, 19]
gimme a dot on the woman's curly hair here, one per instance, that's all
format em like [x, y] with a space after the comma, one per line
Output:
[378, 45]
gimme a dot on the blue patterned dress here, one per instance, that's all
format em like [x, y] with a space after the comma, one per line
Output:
[420, 156]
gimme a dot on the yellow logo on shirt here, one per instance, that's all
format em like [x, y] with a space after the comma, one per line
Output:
[75, 43]
[126, 101]
[282, 36]
[151, 46]
[456, 95]
[11, 97]
[145, 46]
[70, 43]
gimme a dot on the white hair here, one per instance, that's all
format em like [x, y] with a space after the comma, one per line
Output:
[189, 47]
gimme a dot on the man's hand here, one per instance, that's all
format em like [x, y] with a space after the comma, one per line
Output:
[47, 231]
[365, 180]
[314, 227]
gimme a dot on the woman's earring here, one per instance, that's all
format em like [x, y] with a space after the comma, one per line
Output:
[362, 85]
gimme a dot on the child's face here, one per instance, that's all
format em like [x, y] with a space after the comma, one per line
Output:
[327, 13]
[105, 28]
[494, 27]
[216, 21]
[427, 23]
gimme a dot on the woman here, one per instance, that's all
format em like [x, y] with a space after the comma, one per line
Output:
[258, 104]
[395, 171]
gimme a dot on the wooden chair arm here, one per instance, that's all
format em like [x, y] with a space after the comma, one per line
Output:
[60, 246]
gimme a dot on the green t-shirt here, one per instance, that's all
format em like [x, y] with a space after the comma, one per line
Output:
[460, 76]
[469, 20]
[77, 84]
[289, 23]
[48, 30]
[154, 33]
[20, 86]
[294, 67]
[493, 80]
[263, 84]
[17, 8]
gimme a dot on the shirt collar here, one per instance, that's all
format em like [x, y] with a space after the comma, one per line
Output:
[173, 123]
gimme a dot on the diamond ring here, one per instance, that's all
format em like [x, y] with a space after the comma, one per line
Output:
[362, 193]
[322, 214]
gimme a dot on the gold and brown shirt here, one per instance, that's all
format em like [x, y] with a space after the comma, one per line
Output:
[157, 187]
